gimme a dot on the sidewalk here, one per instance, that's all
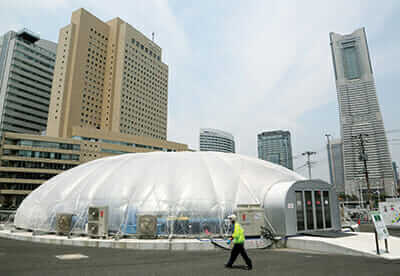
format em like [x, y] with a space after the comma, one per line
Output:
[360, 244]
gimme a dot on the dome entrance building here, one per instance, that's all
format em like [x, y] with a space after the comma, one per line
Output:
[181, 193]
[302, 206]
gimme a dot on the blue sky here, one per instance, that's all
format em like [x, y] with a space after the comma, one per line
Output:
[247, 66]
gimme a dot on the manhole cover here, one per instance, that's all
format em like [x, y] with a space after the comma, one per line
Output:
[71, 257]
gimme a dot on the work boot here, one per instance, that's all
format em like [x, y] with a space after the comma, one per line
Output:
[228, 266]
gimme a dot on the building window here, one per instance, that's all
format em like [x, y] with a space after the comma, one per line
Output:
[351, 63]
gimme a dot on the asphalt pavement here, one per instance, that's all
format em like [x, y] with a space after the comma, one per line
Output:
[26, 258]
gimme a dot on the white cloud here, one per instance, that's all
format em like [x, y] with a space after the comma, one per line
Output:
[279, 68]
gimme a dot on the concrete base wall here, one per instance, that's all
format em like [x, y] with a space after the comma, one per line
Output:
[138, 244]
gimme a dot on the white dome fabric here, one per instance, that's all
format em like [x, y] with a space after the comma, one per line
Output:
[203, 187]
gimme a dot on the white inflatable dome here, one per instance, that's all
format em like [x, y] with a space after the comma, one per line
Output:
[197, 188]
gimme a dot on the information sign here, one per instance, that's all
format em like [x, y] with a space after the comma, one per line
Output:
[380, 226]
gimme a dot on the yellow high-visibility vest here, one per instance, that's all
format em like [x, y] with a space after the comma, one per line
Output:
[238, 234]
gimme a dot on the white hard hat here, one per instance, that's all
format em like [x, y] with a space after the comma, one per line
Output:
[232, 217]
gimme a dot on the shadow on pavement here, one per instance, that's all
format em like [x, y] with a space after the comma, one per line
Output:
[243, 267]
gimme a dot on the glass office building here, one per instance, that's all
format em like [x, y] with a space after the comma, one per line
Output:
[335, 160]
[276, 147]
[216, 140]
[26, 75]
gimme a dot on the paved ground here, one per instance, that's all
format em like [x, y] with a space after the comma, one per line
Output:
[25, 258]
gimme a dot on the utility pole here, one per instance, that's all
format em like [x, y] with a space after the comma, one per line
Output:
[309, 153]
[361, 196]
[364, 158]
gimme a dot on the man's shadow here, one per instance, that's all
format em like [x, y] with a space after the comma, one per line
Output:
[242, 267]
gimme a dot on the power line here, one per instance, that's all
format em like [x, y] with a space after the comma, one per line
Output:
[364, 157]
[318, 151]
[301, 167]
[311, 163]
[319, 162]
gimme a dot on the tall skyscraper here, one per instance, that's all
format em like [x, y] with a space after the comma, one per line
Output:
[335, 160]
[26, 74]
[216, 140]
[110, 77]
[360, 114]
[276, 147]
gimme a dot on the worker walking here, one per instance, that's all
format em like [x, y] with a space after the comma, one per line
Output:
[238, 244]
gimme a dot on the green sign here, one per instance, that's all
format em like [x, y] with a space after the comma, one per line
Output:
[380, 226]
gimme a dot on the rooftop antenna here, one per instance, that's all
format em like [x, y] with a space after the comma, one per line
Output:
[152, 36]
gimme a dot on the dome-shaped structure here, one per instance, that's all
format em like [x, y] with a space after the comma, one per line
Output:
[200, 188]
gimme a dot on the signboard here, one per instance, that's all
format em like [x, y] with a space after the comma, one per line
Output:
[380, 226]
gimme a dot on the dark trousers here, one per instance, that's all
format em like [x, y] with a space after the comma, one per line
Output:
[238, 248]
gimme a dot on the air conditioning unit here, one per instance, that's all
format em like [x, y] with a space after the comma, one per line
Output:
[251, 218]
[93, 229]
[147, 226]
[98, 221]
[63, 223]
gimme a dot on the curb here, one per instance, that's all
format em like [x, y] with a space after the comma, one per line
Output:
[136, 244]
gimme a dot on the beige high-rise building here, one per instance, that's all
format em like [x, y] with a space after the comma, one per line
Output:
[109, 96]
[110, 77]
